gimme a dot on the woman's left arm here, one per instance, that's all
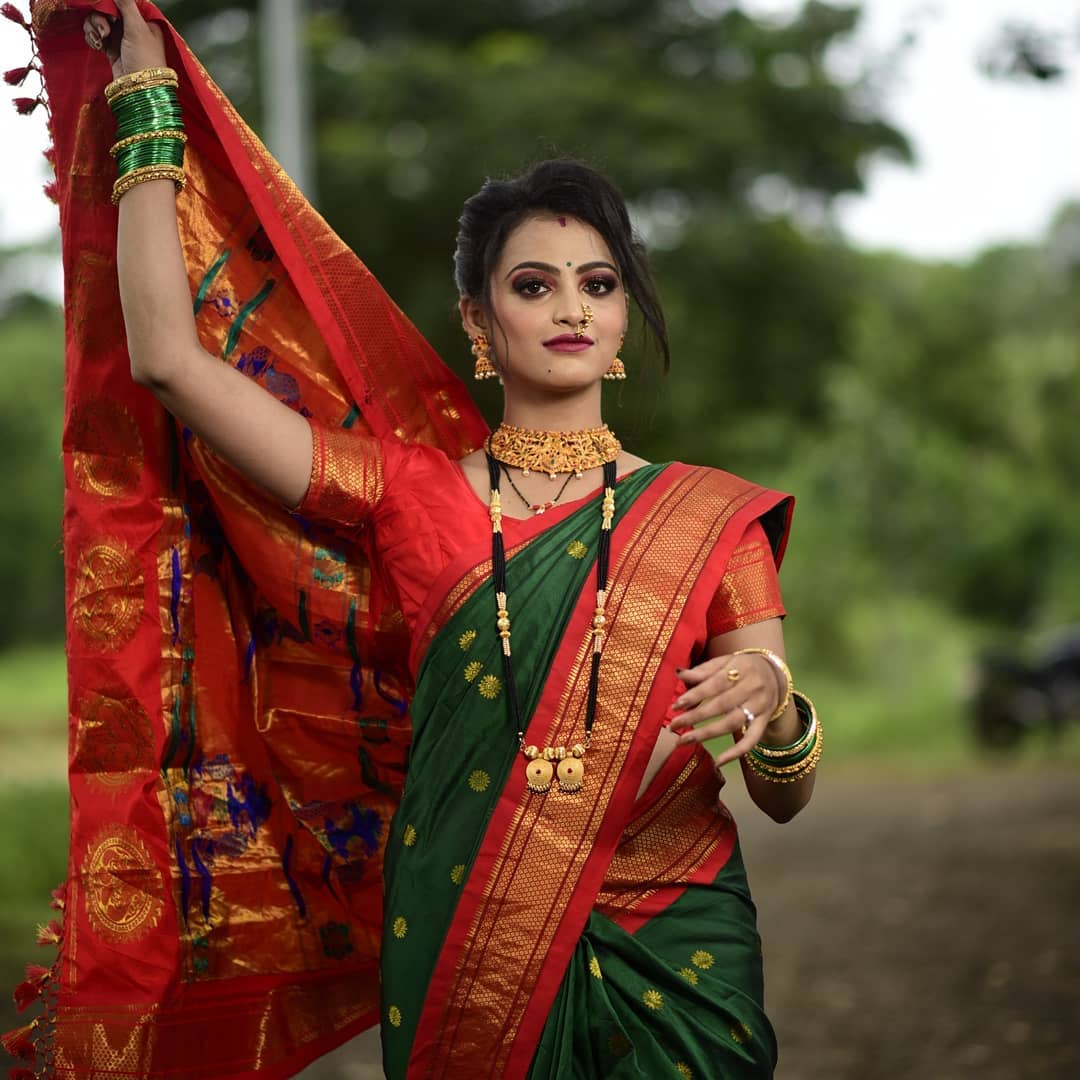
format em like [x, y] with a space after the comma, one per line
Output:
[728, 685]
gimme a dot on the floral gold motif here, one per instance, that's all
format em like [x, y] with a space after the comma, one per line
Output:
[690, 975]
[393, 1014]
[408, 837]
[472, 669]
[576, 549]
[479, 780]
[108, 595]
[401, 927]
[703, 959]
[93, 303]
[457, 874]
[489, 687]
[653, 999]
[114, 741]
[684, 1070]
[123, 886]
[466, 640]
[107, 450]
[740, 1033]
[594, 968]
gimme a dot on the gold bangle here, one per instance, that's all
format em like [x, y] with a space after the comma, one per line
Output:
[145, 174]
[131, 140]
[771, 778]
[778, 663]
[777, 775]
[139, 80]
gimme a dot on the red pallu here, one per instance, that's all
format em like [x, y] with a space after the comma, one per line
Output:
[238, 683]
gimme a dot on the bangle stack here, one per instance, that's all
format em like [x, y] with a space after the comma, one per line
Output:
[150, 135]
[795, 761]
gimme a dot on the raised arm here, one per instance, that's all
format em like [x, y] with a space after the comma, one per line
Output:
[267, 441]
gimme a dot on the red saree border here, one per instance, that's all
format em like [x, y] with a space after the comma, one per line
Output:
[100, 1037]
[682, 836]
[457, 1031]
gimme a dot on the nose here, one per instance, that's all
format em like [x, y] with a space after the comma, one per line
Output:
[576, 315]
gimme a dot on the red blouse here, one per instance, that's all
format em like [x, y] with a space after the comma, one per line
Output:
[422, 512]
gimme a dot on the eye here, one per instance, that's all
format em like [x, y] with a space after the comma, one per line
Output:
[531, 286]
[601, 285]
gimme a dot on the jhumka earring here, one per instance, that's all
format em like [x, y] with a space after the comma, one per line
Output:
[485, 369]
[618, 368]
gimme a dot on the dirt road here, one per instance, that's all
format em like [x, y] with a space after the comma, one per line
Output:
[915, 929]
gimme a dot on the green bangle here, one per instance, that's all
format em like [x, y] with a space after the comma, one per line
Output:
[808, 714]
[150, 152]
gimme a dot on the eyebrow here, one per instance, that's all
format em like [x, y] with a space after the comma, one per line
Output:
[584, 268]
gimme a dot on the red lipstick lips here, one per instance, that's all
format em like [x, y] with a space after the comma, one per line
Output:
[569, 343]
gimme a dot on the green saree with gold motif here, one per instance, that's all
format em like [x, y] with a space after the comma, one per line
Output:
[585, 934]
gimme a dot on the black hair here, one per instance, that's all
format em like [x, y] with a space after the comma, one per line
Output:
[559, 186]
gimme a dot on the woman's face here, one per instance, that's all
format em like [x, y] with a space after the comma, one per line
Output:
[550, 268]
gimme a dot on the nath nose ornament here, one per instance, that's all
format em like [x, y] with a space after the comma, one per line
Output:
[586, 319]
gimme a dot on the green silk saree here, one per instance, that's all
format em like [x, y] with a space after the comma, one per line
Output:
[586, 934]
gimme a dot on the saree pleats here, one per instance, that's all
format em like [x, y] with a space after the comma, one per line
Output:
[680, 997]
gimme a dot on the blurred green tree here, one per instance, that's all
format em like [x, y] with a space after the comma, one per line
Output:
[724, 131]
[31, 413]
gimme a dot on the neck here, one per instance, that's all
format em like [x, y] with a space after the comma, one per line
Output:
[570, 412]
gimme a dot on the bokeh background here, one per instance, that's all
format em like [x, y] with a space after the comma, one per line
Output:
[915, 385]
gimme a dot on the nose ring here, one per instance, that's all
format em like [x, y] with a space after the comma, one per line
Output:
[586, 319]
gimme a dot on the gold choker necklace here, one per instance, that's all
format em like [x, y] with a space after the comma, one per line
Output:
[553, 452]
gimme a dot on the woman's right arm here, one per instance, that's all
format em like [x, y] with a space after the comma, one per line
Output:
[265, 440]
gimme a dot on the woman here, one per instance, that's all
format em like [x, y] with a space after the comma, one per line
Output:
[563, 894]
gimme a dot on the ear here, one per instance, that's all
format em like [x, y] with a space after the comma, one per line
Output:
[473, 319]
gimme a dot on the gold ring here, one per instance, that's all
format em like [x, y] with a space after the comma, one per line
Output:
[733, 674]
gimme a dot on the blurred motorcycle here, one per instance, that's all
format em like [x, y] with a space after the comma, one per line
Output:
[1015, 694]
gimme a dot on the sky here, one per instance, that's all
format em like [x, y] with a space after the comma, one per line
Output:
[994, 159]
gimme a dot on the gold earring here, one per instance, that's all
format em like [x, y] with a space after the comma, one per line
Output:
[618, 368]
[485, 369]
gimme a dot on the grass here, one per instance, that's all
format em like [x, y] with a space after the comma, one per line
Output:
[33, 715]
[33, 857]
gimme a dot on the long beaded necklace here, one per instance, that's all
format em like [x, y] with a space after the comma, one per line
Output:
[549, 762]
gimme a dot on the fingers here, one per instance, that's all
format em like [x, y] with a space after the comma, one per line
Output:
[716, 693]
[711, 720]
[130, 13]
[96, 30]
[741, 746]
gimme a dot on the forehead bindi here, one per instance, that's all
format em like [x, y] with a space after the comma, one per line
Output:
[561, 241]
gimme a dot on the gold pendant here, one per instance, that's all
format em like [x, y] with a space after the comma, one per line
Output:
[538, 774]
[571, 775]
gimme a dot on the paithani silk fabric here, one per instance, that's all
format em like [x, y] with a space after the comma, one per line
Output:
[544, 868]
[238, 676]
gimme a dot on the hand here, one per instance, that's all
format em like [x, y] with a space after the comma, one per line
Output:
[130, 42]
[713, 703]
